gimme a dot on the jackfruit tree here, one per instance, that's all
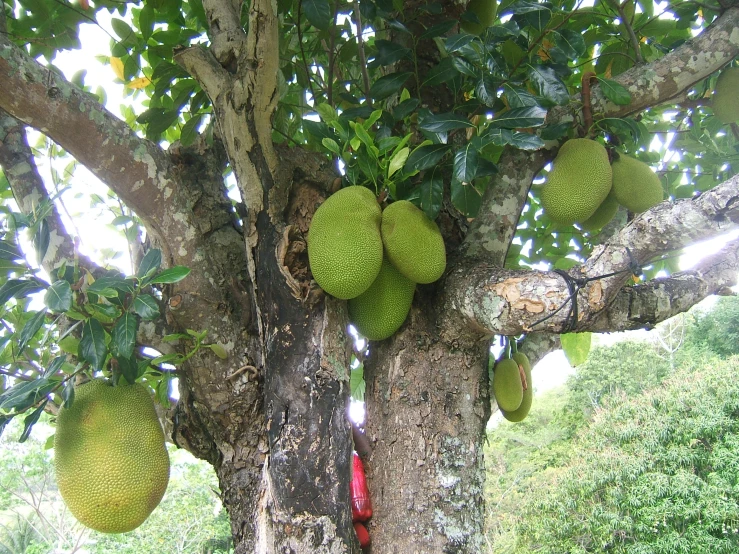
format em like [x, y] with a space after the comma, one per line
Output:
[237, 120]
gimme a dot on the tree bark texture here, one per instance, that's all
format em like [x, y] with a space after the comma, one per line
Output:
[272, 417]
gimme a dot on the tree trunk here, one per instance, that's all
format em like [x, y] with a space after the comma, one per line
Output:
[427, 406]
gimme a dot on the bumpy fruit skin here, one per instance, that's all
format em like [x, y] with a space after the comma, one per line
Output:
[112, 466]
[605, 213]
[485, 11]
[413, 242]
[344, 242]
[635, 186]
[520, 413]
[726, 96]
[578, 183]
[381, 309]
[507, 385]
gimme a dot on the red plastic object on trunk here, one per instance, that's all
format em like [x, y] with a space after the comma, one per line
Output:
[362, 535]
[361, 505]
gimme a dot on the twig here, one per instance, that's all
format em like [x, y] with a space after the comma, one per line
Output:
[630, 30]
[587, 109]
[302, 52]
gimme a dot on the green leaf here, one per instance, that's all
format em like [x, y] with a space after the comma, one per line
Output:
[486, 90]
[190, 130]
[438, 30]
[9, 251]
[398, 161]
[58, 297]
[41, 240]
[615, 92]
[30, 420]
[571, 42]
[151, 262]
[68, 393]
[218, 350]
[576, 347]
[30, 329]
[25, 393]
[121, 28]
[92, 346]
[526, 6]
[357, 384]
[124, 335]
[465, 164]
[128, 368]
[457, 42]
[548, 84]
[465, 198]
[18, 288]
[437, 123]
[171, 275]
[389, 84]
[431, 192]
[146, 306]
[4, 420]
[318, 13]
[331, 145]
[109, 286]
[426, 156]
[146, 21]
[530, 116]
[518, 97]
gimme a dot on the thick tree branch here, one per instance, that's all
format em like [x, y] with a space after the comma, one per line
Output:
[650, 84]
[673, 74]
[645, 305]
[28, 188]
[226, 34]
[491, 232]
[496, 301]
[137, 170]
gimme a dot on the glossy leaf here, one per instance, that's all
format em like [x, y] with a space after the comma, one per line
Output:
[548, 84]
[58, 297]
[171, 275]
[615, 92]
[389, 84]
[93, 348]
[146, 307]
[30, 329]
[318, 12]
[530, 116]
[124, 335]
[437, 123]
[426, 156]
[150, 263]
[30, 420]
[465, 164]
[576, 347]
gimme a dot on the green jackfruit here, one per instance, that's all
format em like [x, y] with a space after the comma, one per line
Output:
[522, 411]
[726, 96]
[602, 215]
[578, 183]
[507, 385]
[380, 311]
[635, 186]
[344, 242]
[111, 463]
[485, 11]
[413, 242]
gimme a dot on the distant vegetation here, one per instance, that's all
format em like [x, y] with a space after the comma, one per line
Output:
[637, 453]
[33, 519]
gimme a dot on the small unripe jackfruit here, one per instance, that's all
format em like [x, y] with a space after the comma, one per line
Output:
[635, 186]
[413, 242]
[485, 11]
[520, 413]
[726, 96]
[578, 183]
[111, 463]
[604, 214]
[380, 311]
[344, 242]
[507, 385]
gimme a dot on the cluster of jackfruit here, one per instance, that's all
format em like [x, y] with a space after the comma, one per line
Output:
[373, 258]
[583, 187]
[725, 96]
[112, 466]
[512, 386]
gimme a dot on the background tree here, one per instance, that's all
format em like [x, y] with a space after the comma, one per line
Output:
[413, 109]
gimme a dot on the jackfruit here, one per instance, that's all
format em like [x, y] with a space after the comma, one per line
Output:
[578, 183]
[520, 413]
[413, 242]
[380, 311]
[112, 466]
[344, 242]
[726, 96]
[485, 11]
[635, 186]
[507, 385]
[604, 214]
